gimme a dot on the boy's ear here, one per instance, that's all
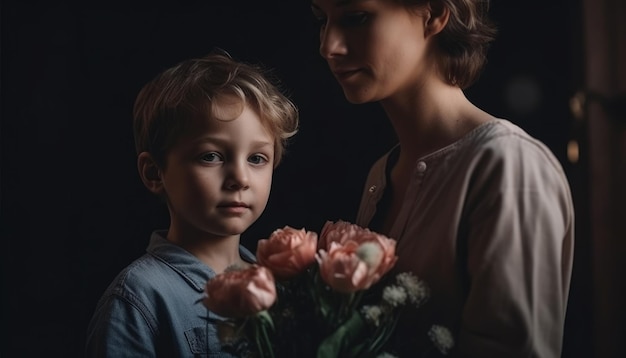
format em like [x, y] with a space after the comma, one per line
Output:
[436, 19]
[149, 172]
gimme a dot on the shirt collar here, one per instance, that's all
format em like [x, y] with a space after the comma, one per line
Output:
[194, 271]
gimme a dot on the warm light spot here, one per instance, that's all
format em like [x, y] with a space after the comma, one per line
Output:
[573, 151]
[577, 105]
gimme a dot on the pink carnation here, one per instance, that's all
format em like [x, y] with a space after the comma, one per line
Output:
[352, 258]
[241, 293]
[287, 252]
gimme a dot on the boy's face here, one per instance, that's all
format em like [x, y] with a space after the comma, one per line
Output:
[218, 176]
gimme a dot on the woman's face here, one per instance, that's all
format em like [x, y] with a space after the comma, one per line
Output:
[375, 48]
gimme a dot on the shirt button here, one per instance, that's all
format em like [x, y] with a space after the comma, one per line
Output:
[372, 189]
[421, 167]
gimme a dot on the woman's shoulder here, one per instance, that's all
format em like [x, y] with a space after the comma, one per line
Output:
[502, 152]
[497, 131]
[501, 139]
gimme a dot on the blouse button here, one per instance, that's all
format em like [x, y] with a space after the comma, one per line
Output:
[372, 189]
[421, 167]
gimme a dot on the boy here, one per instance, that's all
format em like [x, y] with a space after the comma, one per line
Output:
[208, 134]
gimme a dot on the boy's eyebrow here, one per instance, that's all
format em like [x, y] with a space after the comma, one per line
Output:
[226, 141]
[262, 143]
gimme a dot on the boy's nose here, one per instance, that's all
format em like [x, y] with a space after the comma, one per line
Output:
[238, 177]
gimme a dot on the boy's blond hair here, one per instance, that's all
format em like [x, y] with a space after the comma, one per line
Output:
[192, 90]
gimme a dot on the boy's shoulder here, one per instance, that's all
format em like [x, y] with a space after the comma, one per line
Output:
[145, 273]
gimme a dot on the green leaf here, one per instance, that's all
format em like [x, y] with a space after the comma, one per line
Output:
[346, 336]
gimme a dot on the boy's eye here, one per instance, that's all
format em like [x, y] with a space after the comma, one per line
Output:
[211, 157]
[257, 159]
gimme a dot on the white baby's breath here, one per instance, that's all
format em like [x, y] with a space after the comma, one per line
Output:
[416, 289]
[442, 338]
[394, 295]
[372, 314]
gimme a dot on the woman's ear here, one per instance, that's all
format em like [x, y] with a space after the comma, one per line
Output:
[436, 19]
[150, 173]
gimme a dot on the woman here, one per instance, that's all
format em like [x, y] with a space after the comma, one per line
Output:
[480, 210]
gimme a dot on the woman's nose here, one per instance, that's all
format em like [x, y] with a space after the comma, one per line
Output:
[332, 42]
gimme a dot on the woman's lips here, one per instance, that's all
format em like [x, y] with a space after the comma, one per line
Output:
[345, 74]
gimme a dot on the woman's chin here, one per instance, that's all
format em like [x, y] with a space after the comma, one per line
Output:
[357, 97]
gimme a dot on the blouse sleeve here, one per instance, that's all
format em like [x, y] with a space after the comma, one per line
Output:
[519, 253]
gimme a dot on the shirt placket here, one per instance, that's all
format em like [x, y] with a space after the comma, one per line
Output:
[411, 202]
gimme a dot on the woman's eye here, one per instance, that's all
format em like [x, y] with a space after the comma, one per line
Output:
[257, 159]
[320, 21]
[354, 19]
[211, 157]
[318, 16]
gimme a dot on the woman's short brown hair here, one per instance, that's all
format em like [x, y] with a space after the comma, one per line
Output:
[464, 42]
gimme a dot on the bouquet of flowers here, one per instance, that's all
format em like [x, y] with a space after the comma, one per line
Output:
[309, 298]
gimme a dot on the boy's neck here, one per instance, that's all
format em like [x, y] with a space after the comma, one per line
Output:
[216, 252]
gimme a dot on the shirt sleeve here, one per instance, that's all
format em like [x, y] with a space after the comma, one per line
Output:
[519, 253]
[120, 328]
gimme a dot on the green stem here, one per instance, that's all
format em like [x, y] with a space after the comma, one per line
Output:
[261, 322]
[355, 299]
[382, 335]
[266, 338]
[257, 338]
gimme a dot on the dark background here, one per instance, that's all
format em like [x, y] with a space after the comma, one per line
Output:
[73, 210]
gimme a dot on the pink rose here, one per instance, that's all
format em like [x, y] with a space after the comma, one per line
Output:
[287, 252]
[241, 293]
[343, 231]
[356, 257]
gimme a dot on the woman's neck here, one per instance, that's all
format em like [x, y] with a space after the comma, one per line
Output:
[428, 120]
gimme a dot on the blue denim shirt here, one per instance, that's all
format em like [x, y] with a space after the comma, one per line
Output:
[152, 308]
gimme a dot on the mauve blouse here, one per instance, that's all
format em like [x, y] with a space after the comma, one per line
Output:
[488, 223]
